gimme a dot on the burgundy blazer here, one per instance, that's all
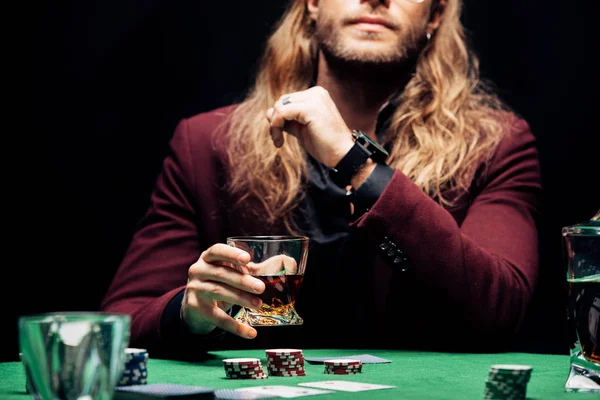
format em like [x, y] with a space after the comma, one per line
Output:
[472, 268]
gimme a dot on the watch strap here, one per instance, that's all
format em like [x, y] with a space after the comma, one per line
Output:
[347, 167]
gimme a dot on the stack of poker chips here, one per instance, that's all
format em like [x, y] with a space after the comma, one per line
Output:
[285, 362]
[343, 366]
[244, 368]
[507, 382]
[136, 367]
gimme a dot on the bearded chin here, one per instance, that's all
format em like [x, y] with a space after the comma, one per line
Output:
[340, 54]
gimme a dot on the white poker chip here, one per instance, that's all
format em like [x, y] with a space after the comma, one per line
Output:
[283, 352]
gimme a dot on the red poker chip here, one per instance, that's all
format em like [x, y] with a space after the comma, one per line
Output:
[244, 370]
[285, 366]
[342, 370]
[248, 377]
[284, 356]
[342, 362]
[241, 361]
[285, 362]
[261, 375]
[344, 366]
[252, 365]
[283, 359]
[242, 373]
[288, 374]
[280, 360]
[341, 373]
[251, 372]
[288, 365]
[286, 370]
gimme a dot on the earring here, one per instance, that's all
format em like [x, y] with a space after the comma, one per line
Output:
[428, 36]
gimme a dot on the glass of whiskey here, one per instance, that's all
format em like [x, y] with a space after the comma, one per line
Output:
[280, 262]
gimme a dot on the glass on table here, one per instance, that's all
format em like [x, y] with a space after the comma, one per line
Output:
[582, 251]
[73, 355]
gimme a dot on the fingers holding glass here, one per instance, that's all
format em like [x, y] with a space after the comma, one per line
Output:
[203, 316]
[216, 282]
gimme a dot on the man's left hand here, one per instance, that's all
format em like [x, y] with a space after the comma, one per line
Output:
[313, 118]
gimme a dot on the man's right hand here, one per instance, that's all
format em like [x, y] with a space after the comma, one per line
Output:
[217, 281]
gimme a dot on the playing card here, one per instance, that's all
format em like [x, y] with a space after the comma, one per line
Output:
[287, 392]
[163, 391]
[364, 358]
[346, 386]
[236, 394]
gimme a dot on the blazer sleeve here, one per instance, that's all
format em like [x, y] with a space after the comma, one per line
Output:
[488, 264]
[167, 241]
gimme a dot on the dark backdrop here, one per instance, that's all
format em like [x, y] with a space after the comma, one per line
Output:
[107, 81]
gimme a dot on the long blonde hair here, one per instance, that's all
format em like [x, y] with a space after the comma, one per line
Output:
[440, 130]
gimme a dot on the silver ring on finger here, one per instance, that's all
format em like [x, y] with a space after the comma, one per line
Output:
[286, 100]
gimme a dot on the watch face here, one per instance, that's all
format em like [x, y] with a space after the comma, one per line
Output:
[379, 153]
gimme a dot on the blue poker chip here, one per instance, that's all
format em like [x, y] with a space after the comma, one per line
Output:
[136, 368]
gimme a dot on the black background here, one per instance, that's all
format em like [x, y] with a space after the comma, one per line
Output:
[106, 82]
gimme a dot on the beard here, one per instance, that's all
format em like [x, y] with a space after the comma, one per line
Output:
[339, 50]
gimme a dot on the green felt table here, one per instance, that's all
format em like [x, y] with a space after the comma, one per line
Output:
[417, 375]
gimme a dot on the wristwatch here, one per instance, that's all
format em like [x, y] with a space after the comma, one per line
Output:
[363, 149]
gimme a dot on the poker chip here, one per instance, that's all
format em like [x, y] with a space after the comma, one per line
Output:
[358, 369]
[244, 368]
[342, 362]
[342, 373]
[285, 362]
[507, 381]
[343, 366]
[136, 367]
[283, 352]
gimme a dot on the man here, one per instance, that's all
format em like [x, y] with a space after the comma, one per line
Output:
[432, 246]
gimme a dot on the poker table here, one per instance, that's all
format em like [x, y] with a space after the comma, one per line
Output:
[416, 375]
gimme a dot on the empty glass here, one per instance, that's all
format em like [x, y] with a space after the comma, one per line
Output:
[582, 249]
[73, 355]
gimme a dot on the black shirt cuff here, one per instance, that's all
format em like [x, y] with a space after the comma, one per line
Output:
[177, 340]
[367, 194]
